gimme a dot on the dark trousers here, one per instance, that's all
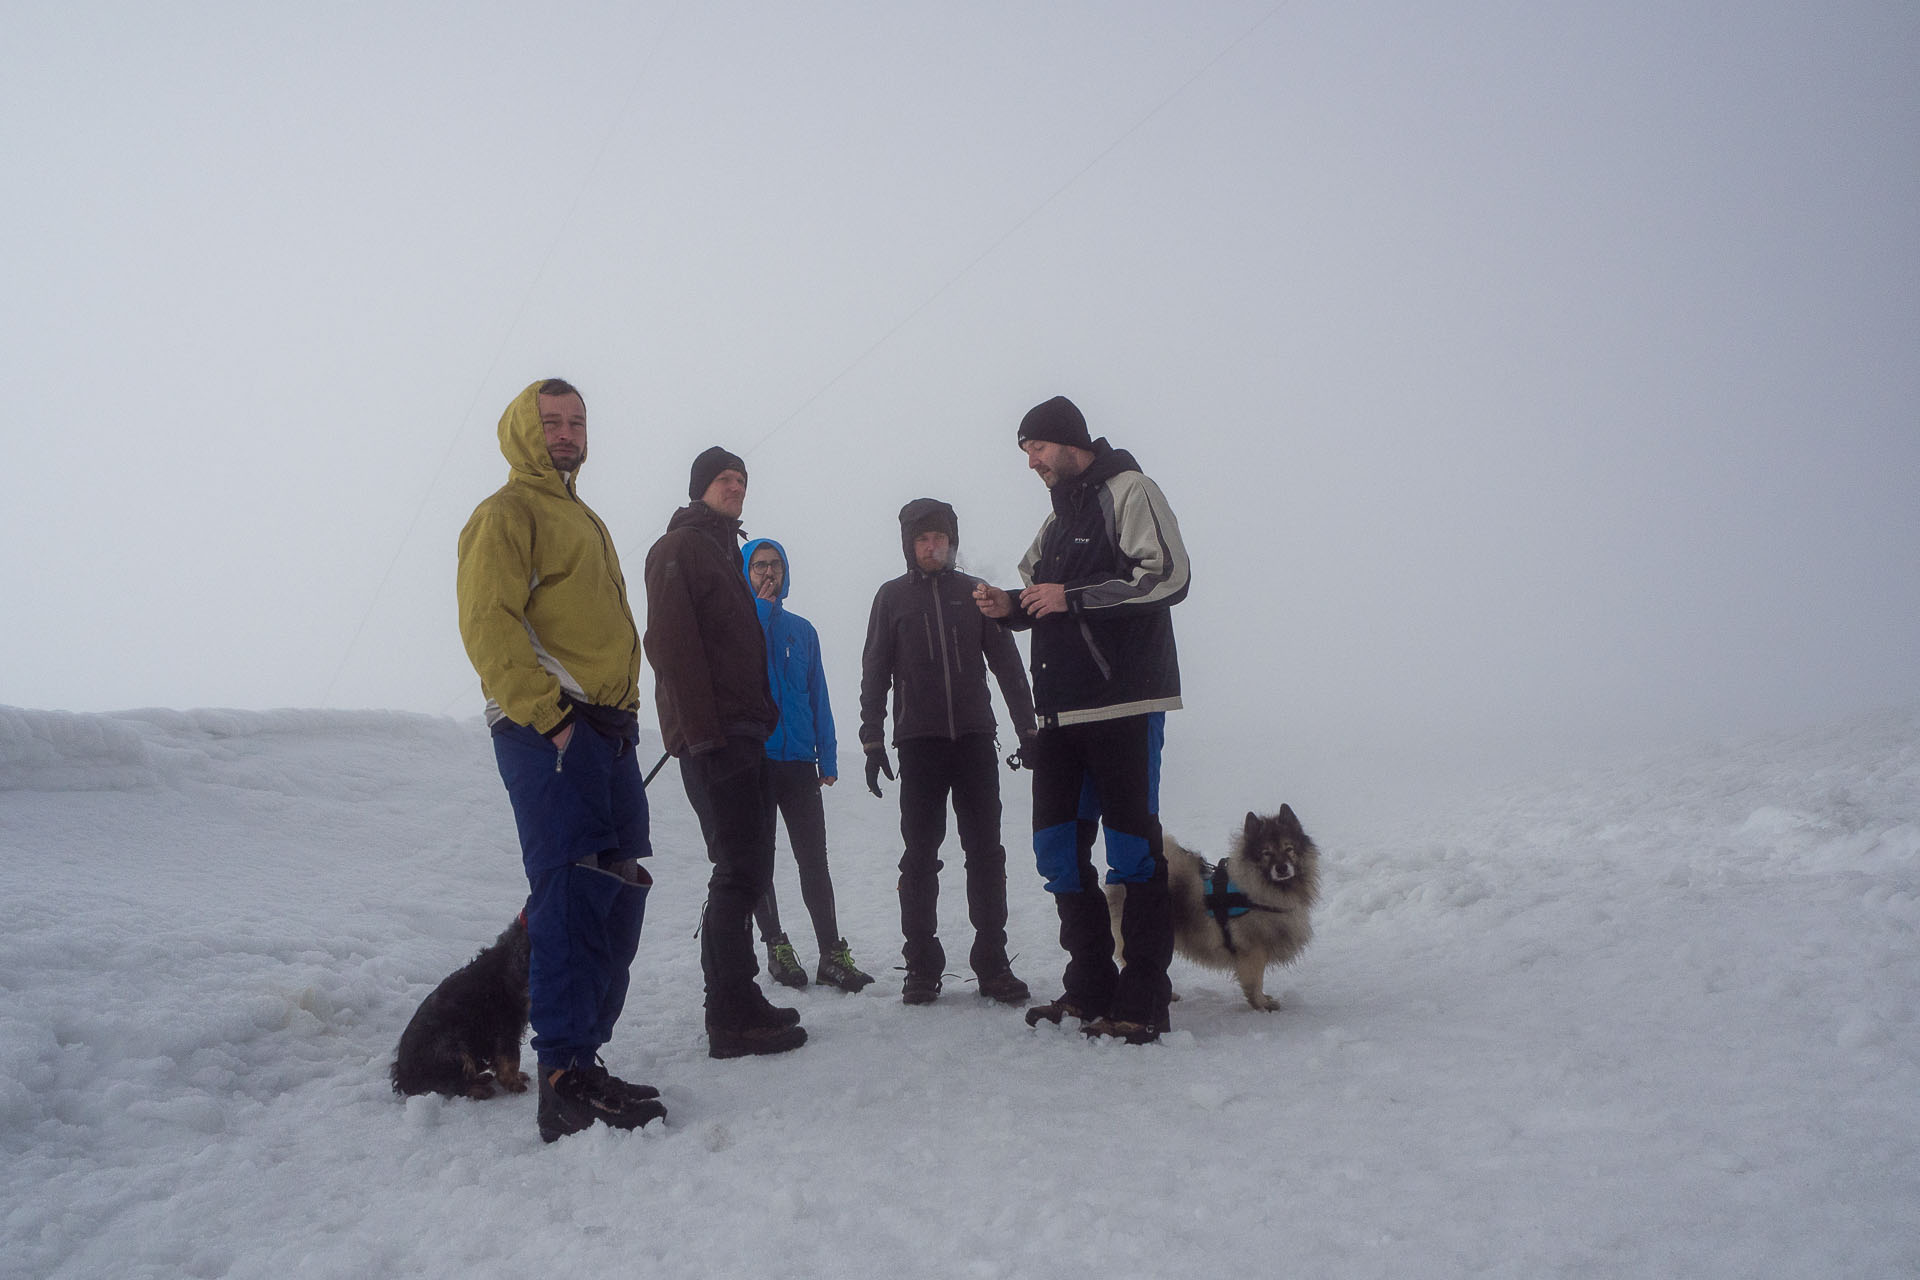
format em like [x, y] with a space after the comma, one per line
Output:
[796, 793]
[1084, 774]
[732, 794]
[930, 769]
[582, 819]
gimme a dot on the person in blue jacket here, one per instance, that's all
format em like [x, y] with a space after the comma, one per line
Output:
[801, 755]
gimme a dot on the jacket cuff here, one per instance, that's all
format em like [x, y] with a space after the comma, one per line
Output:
[566, 718]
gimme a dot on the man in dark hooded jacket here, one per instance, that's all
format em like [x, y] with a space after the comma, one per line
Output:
[929, 644]
[1102, 578]
[716, 710]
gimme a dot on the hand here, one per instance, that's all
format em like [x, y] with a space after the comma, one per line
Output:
[562, 738]
[877, 764]
[1043, 598]
[1020, 759]
[992, 601]
[768, 590]
[825, 781]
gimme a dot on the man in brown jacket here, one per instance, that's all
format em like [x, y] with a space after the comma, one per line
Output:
[709, 660]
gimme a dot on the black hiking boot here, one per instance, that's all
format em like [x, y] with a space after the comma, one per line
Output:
[765, 1012]
[783, 966]
[758, 1038]
[1053, 1011]
[1120, 1029]
[754, 1026]
[637, 1092]
[837, 969]
[571, 1100]
[920, 987]
[1005, 988]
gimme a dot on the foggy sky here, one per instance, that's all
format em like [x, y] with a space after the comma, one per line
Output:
[1514, 371]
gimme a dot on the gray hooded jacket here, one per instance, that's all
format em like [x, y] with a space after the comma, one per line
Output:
[927, 641]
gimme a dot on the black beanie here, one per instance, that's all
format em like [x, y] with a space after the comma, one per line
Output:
[1058, 420]
[709, 464]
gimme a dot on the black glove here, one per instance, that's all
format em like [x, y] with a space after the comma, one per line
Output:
[1019, 759]
[877, 764]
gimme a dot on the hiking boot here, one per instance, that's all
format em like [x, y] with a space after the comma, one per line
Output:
[637, 1092]
[1005, 988]
[1120, 1029]
[1054, 1010]
[761, 1011]
[756, 1038]
[782, 965]
[837, 969]
[920, 987]
[572, 1099]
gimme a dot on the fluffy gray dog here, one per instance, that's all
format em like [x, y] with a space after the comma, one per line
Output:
[1248, 913]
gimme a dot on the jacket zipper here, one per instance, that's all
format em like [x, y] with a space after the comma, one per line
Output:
[1099, 660]
[619, 584]
[946, 666]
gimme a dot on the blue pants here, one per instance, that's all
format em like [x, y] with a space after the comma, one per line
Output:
[1085, 776]
[582, 818]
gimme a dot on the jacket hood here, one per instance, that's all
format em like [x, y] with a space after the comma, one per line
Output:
[524, 444]
[746, 558]
[1107, 463]
[699, 513]
[928, 515]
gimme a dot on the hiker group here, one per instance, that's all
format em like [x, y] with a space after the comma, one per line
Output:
[740, 691]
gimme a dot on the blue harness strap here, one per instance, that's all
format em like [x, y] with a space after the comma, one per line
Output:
[1224, 900]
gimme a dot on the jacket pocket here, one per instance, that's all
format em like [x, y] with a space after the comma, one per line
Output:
[1099, 659]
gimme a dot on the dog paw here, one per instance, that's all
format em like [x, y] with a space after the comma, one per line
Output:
[1264, 1002]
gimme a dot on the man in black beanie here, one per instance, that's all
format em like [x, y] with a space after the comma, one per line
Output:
[1059, 421]
[707, 468]
[1101, 578]
[716, 709]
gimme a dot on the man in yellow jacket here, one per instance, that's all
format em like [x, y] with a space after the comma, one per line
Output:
[545, 620]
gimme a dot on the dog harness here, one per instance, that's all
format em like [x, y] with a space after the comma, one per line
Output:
[1224, 900]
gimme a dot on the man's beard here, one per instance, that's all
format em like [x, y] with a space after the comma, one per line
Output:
[565, 459]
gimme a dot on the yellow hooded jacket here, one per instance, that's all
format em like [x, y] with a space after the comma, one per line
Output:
[543, 605]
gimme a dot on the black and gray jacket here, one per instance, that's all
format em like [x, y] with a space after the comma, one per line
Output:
[1113, 542]
[927, 640]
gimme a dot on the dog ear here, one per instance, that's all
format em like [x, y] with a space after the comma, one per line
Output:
[1287, 818]
[1253, 822]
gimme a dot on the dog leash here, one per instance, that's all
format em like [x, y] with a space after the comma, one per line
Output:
[657, 766]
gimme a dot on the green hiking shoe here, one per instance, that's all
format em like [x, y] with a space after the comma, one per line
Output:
[837, 969]
[783, 966]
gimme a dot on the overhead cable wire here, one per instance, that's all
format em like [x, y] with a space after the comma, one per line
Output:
[1018, 225]
[640, 81]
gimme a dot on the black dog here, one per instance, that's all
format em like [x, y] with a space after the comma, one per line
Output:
[465, 1036]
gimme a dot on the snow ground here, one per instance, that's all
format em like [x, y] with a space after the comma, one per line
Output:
[1656, 1017]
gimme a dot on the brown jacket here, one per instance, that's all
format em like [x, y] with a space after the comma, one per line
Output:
[703, 637]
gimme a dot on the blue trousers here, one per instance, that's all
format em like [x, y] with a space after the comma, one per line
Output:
[582, 818]
[1085, 776]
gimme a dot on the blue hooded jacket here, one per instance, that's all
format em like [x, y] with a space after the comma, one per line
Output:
[799, 682]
